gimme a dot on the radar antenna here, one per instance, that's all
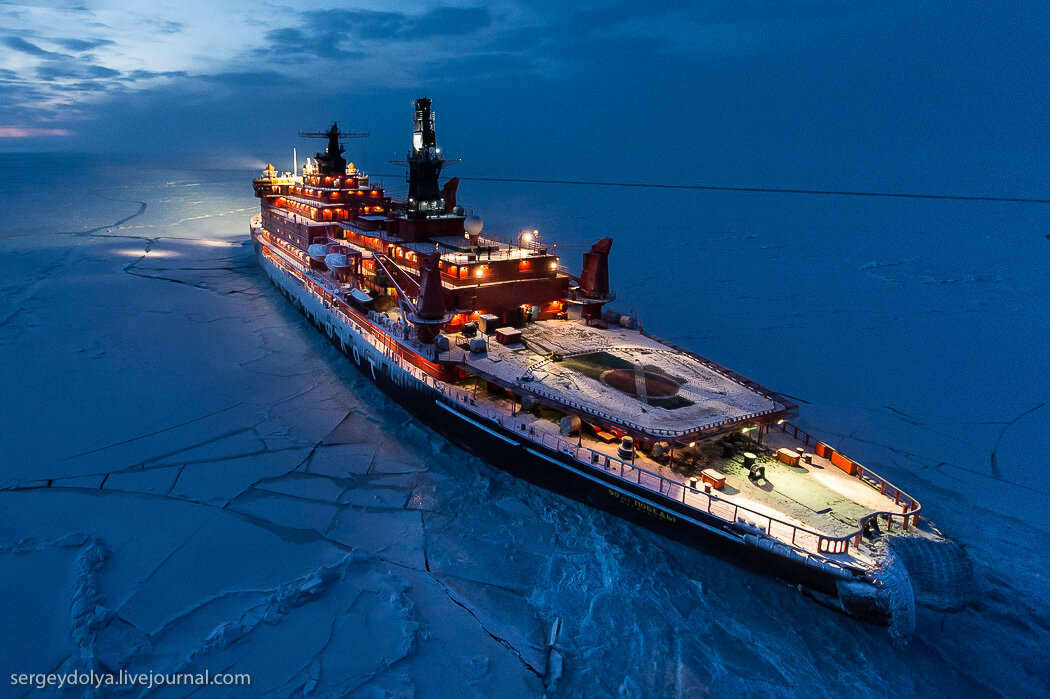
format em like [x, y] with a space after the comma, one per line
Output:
[331, 162]
[328, 133]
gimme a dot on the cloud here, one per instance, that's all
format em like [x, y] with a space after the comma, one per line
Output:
[90, 86]
[72, 69]
[357, 24]
[154, 74]
[17, 43]
[97, 71]
[82, 45]
[332, 33]
[323, 39]
[20, 132]
[169, 27]
[756, 71]
[248, 79]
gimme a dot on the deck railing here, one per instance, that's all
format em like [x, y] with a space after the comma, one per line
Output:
[910, 507]
[807, 541]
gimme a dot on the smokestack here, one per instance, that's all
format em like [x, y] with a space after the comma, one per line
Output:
[431, 302]
[448, 193]
[594, 279]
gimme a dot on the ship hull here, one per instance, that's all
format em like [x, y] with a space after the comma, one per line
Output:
[557, 471]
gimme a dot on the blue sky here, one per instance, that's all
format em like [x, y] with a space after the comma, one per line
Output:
[656, 87]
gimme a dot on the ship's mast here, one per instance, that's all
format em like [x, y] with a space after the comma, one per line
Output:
[424, 165]
[424, 137]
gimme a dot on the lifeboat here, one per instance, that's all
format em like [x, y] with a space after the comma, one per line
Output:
[317, 252]
[361, 296]
[338, 262]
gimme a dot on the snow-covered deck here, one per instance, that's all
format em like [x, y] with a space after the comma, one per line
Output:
[622, 376]
[817, 496]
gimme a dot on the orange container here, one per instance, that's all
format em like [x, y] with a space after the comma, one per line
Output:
[788, 456]
[716, 479]
[845, 464]
[824, 450]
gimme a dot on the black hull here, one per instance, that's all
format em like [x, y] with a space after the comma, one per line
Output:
[562, 474]
[548, 470]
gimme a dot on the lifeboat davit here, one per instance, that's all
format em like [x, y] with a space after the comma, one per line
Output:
[317, 252]
[338, 262]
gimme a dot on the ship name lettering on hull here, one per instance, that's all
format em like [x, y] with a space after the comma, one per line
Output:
[643, 507]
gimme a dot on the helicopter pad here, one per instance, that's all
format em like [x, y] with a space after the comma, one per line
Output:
[623, 377]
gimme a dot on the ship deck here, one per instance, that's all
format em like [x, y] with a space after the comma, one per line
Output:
[817, 496]
[793, 504]
[620, 376]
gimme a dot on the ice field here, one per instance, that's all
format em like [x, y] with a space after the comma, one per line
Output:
[192, 477]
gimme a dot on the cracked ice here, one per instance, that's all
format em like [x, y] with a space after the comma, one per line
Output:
[193, 479]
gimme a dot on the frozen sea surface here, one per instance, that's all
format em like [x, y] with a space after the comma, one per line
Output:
[191, 478]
